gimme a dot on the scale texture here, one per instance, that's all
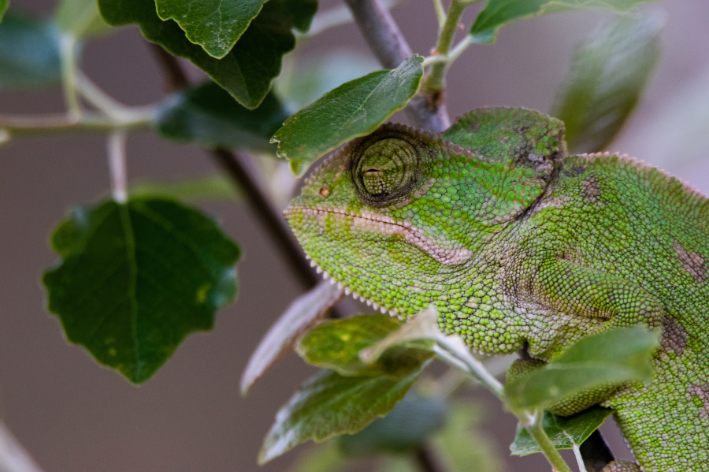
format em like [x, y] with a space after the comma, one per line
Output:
[520, 245]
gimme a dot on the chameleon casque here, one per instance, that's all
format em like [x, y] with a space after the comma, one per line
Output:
[521, 246]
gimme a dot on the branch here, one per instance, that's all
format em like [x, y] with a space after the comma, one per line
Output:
[13, 457]
[68, 123]
[596, 453]
[425, 460]
[235, 164]
[425, 110]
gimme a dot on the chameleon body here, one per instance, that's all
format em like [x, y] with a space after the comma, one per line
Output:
[520, 245]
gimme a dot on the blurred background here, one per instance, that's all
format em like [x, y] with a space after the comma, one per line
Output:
[73, 415]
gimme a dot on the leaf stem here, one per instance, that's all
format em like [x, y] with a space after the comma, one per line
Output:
[536, 430]
[435, 81]
[440, 13]
[116, 144]
[17, 126]
[425, 110]
[67, 52]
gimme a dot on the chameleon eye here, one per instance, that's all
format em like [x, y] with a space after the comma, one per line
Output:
[385, 170]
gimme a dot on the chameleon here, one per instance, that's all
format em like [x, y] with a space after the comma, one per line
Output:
[522, 246]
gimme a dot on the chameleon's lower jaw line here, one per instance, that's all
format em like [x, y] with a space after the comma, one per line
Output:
[372, 222]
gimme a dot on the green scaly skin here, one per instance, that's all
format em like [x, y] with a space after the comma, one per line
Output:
[520, 246]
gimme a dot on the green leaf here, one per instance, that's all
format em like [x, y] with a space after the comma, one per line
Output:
[247, 71]
[324, 457]
[330, 404]
[208, 115]
[137, 278]
[29, 53]
[215, 25]
[300, 315]
[461, 446]
[614, 356]
[498, 13]
[354, 109]
[405, 428]
[609, 71]
[336, 344]
[80, 18]
[3, 7]
[196, 189]
[564, 432]
[312, 78]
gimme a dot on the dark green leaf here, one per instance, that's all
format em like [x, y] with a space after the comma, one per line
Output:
[336, 344]
[614, 356]
[280, 339]
[197, 189]
[208, 115]
[405, 428]
[354, 109]
[80, 18]
[247, 71]
[564, 432]
[498, 13]
[29, 53]
[215, 25]
[330, 404]
[609, 72]
[136, 278]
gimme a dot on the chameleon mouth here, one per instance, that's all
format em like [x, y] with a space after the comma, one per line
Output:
[451, 253]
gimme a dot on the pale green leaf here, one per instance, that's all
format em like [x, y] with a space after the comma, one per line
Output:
[195, 189]
[330, 404]
[498, 13]
[4, 4]
[611, 357]
[336, 344]
[609, 71]
[461, 445]
[565, 432]
[356, 108]
[80, 18]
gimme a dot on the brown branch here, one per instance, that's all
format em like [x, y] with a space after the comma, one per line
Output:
[595, 452]
[236, 166]
[425, 460]
[425, 110]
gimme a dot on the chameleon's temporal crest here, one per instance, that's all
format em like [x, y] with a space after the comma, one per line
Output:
[399, 215]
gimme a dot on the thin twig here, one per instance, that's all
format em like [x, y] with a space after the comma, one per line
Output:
[67, 51]
[116, 144]
[381, 32]
[13, 457]
[435, 82]
[425, 460]
[234, 164]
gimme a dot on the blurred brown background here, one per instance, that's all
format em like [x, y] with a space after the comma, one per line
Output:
[75, 416]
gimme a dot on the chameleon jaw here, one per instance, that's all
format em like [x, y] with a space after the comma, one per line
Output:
[349, 292]
[382, 224]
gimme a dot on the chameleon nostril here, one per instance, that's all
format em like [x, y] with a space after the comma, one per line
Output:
[324, 192]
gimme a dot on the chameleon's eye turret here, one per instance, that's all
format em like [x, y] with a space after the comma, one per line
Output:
[385, 170]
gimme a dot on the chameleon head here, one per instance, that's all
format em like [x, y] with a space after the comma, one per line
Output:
[399, 217]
